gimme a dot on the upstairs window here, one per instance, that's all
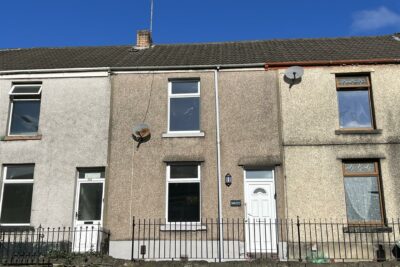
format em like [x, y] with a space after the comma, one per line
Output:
[355, 102]
[16, 197]
[184, 106]
[25, 109]
[363, 193]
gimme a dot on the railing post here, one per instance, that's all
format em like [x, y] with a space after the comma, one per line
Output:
[133, 237]
[298, 237]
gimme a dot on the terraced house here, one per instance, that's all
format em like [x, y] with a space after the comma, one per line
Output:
[204, 151]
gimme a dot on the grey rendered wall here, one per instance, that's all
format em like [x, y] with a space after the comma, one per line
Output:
[74, 118]
[313, 152]
[137, 184]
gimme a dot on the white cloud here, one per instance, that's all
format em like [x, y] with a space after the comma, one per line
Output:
[367, 20]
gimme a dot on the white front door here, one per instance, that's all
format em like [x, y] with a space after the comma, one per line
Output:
[260, 211]
[88, 209]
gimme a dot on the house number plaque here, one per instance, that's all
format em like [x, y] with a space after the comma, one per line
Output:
[236, 203]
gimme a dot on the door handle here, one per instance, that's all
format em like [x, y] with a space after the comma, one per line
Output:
[76, 214]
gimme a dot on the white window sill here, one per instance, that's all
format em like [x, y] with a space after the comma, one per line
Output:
[181, 226]
[172, 135]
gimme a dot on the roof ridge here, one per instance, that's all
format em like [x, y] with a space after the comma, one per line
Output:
[206, 43]
[283, 40]
[63, 47]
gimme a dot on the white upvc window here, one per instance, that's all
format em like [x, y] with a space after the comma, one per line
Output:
[183, 193]
[16, 194]
[184, 106]
[24, 109]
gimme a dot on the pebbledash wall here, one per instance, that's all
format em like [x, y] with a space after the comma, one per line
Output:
[314, 152]
[249, 127]
[73, 124]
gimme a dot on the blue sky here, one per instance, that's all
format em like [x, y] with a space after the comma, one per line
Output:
[39, 23]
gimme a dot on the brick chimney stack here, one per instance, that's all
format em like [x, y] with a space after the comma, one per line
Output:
[143, 39]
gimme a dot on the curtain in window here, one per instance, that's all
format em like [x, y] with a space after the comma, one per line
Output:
[362, 199]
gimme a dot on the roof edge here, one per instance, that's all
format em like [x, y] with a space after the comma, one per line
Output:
[277, 65]
[139, 68]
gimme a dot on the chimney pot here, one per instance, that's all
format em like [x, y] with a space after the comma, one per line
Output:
[143, 39]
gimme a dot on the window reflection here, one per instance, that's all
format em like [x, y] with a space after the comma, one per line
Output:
[354, 109]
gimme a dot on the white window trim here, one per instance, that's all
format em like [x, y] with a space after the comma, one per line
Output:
[185, 181]
[10, 181]
[187, 95]
[11, 113]
[25, 85]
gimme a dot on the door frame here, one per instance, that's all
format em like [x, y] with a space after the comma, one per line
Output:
[80, 181]
[253, 181]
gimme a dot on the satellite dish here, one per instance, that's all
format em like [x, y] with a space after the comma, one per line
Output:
[293, 75]
[141, 133]
[294, 72]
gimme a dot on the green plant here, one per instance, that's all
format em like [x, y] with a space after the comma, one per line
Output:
[316, 257]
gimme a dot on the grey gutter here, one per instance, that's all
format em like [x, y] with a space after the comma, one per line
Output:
[137, 68]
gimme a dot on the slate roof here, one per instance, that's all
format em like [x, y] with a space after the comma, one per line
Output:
[179, 55]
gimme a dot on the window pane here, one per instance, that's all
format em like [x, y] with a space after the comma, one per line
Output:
[362, 199]
[90, 200]
[259, 174]
[354, 109]
[25, 117]
[359, 167]
[185, 87]
[17, 200]
[353, 81]
[92, 173]
[18, 172]
[184, 114]
[183, 171]
[184, 202]
[32, 89]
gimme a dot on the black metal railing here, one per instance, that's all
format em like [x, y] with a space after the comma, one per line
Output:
[39, 245]
[317, 241]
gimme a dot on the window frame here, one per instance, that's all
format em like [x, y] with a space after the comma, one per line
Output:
[375, 174]
[22, 97]
[25, 85]
[366, 87]
[4, 181]
[170, 180]
[184, 95]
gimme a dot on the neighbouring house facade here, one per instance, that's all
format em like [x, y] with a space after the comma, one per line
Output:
[341, 143]
[236, 151]
[54, 137]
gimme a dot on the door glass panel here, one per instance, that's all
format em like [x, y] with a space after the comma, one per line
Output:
[259, 174]
[98, 173]
[259, 190]
[90, 201]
